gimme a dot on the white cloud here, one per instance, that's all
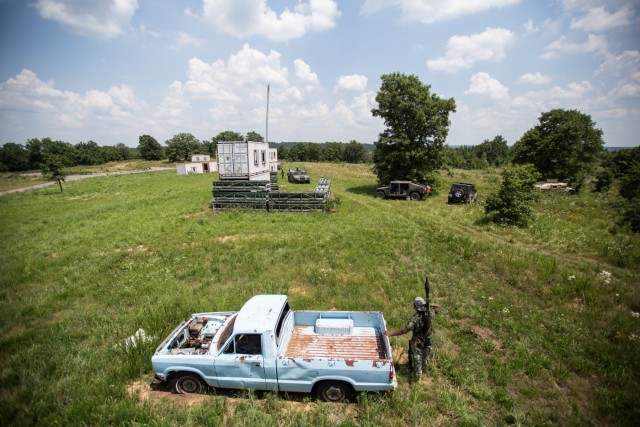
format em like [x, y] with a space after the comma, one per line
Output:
[530, 27]
[572, 96]
[186, 39]
[565, 45]
[246, 18]
[430, 11]
[353, 82]
[536, 78]
[46, 107]
[172, 109]
[102, 19]
[464, 51]
[625, 71]
[483, 84]
[246, 74]
[599, 20]
[305, 76]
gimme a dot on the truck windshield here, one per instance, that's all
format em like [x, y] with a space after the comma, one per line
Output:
[227, 331]
[285, 310]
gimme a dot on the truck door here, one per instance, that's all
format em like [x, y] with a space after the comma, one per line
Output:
[241, 364]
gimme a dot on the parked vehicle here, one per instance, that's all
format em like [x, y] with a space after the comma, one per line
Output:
[268, 346]
[554, 185]
[403, 190]
[298, 176]
[461, 192]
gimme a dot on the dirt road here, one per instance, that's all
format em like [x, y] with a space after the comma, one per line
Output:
[70, 178]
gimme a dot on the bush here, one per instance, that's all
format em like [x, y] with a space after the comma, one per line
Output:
[511, 205]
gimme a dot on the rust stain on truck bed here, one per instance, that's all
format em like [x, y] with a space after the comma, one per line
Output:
[363, 344]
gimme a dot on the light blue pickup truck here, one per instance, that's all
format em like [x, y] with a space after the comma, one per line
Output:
[268, 346]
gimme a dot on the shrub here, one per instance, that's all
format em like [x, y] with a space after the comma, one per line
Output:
[511, 205]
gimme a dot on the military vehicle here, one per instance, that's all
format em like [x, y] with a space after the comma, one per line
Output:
[298, 176]
[403, 190]
[462, 192]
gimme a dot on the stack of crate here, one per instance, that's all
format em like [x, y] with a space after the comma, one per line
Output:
[309, 201]
[241, 194]
[274, 181]
[260, 195]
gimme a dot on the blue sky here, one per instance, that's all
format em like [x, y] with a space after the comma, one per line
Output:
[112, 70]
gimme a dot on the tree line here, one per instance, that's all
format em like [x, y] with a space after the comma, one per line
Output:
[36, 152]
[180, 148]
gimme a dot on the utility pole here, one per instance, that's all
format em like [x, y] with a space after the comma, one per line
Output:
[267, 131]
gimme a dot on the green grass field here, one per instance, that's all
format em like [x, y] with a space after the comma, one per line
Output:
[539, 326]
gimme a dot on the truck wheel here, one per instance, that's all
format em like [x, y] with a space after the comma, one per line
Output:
[380, 194]
[187, 383]
[334, 391]
[415, 196]
[458, 194]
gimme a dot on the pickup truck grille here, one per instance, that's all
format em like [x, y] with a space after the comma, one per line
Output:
[363, 344]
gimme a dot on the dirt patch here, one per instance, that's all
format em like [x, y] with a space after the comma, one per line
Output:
[14, 330]
[487, 335]
[557, 401]
[297, 291]
[400, 354]
[146, 391]
[232, 238]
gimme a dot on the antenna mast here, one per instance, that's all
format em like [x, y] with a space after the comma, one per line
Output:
[267, 133]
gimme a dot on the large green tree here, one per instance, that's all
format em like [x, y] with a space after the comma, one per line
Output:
[182, 146]
[228, 135]
[254, 136]
[149, 148]
[565, 144]
[417, 124]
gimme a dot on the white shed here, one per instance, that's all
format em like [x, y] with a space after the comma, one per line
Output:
[200, 163]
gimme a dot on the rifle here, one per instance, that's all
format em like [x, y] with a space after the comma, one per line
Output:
[427, 288]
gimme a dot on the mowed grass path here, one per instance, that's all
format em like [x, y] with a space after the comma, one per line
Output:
[538, 325]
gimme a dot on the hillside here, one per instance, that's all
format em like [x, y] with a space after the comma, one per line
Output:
[538, 325]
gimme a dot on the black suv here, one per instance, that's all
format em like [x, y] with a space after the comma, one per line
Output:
[462, 193]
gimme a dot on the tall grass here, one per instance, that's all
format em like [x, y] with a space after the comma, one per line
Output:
[531, 331]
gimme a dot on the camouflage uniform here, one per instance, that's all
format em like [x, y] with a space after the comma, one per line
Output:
[420, 343]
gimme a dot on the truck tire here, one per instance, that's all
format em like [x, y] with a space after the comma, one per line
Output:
[187, 383]
[334, 391]
[380, 194]
[415, 196]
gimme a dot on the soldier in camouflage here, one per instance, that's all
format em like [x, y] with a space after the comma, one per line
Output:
[420, 343]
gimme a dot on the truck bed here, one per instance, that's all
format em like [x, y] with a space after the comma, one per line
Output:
[364, 343]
